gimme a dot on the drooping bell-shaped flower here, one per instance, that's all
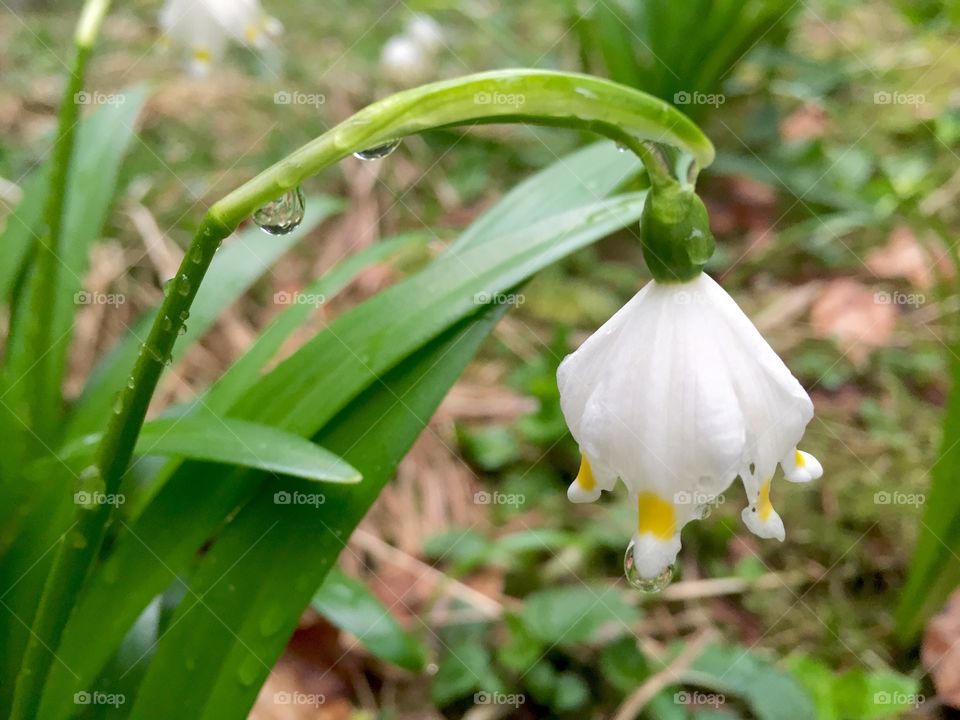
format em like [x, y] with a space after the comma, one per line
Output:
[410, 56]
[203, 28]
[677, 395]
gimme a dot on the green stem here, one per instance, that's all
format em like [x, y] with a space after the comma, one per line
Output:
[44, 398]
[513, 96]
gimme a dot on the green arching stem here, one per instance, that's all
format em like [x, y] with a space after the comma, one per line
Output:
[44, 396]
[625, 115]
[51, 614]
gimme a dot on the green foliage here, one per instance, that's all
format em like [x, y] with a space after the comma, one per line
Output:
[350, 605]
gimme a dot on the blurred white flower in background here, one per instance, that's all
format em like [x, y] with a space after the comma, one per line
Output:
[409, 58]
[202, 28]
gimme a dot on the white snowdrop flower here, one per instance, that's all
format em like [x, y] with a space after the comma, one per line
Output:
[202, 28]
[404, 61]
[677, 395]
[426, 32]
[410, 57]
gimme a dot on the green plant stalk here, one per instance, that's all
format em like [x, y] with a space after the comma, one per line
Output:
[44, 397]
[512, 96]
[43, 406]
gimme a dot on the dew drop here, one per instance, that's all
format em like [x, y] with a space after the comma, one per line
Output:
[249, 671]
[182, 330]
[131, 382]
[167, 323]
[197, 255]
[271, 621]
[184, 315]
[117, 403]
[647, 585]
[379, 152]
[183, 287]
[621, 148]
[283, 215]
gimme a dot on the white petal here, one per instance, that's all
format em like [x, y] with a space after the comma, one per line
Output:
[652, 555]
[425, 31]
[800, 467]
[771, 528]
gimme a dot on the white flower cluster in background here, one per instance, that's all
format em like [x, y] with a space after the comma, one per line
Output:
[409, 58]
[202, 29]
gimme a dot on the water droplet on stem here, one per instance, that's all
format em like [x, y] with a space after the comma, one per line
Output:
[283, 215]
[379, 152]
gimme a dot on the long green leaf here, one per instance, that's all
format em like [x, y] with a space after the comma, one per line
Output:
[23, 225]
[102, 142]
[243, 373]
[229, 441]
[286, 551]
[348, 603]
[935, 570]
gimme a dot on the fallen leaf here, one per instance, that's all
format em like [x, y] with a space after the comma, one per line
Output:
[904, 257]
[940, 652]
[808, 122]
[855, 316]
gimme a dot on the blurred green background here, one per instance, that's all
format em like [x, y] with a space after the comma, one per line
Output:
[834, 202]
